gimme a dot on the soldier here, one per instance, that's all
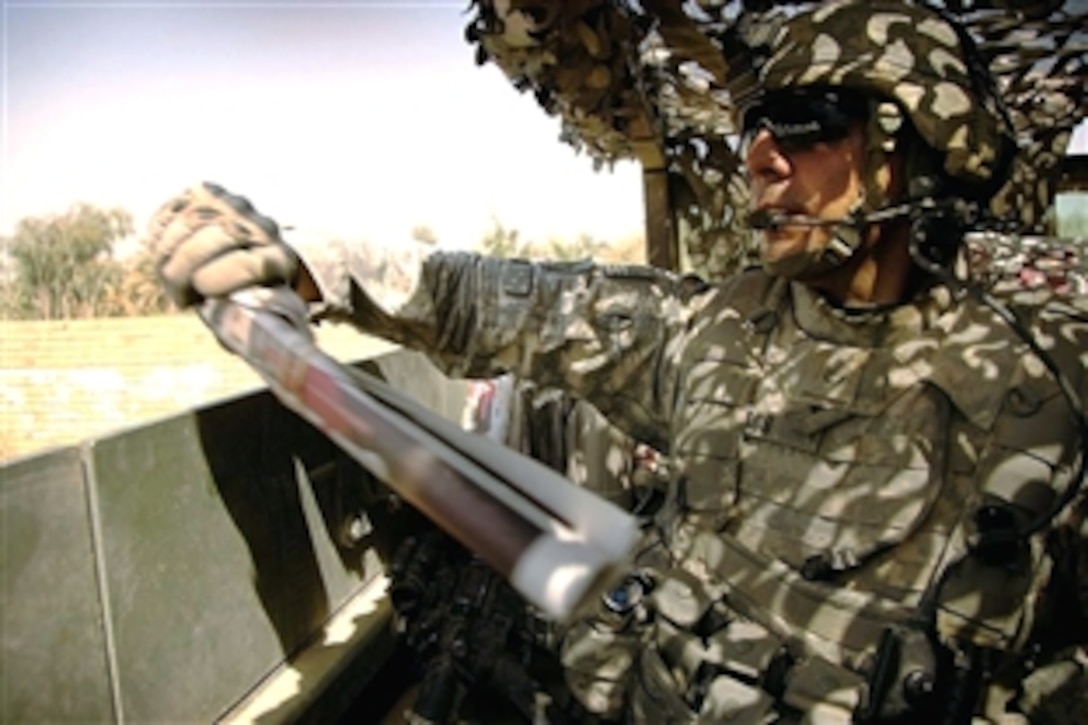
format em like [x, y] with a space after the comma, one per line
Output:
[872, 513]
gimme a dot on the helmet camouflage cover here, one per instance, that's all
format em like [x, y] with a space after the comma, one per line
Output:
[907, 53]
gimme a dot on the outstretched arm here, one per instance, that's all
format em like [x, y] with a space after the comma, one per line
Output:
[602, 333]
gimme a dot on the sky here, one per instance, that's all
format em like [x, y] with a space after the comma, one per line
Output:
[362, 119]
[358, 118]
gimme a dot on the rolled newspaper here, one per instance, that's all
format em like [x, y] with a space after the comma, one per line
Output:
[557, 544]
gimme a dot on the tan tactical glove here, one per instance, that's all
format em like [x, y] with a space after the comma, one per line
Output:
[209, 243]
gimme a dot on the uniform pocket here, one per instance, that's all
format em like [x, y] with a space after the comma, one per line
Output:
[843, 483]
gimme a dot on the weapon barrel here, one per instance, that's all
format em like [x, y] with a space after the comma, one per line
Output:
[556, 543]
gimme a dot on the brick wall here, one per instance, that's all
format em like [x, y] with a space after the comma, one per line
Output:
[65, 381]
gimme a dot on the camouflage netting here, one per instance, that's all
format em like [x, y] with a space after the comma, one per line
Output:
[656, 81]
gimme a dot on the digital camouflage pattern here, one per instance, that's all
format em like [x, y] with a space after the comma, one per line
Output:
[800, 439]
[827, 472]
[833, 540]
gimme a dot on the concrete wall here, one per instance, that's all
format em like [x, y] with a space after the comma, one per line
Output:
[63, 381]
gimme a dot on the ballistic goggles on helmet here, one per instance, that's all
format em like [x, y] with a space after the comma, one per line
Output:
[800, 118]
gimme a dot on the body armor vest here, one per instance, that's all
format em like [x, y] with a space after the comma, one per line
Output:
[832, 473]
[828, 472]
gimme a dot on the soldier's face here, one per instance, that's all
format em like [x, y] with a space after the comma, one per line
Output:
[822, 180]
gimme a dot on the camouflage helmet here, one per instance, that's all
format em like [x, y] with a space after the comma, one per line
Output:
[912, 55]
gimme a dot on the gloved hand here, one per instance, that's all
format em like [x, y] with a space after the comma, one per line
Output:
[209, 243]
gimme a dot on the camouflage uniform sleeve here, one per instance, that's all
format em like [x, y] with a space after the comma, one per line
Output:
[604, 334]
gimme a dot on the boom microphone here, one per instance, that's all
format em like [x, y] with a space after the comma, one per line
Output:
[773, 219]
[776, 219]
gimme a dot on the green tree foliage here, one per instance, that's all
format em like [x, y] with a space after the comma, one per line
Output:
[63, 265]
[584, 247]
[140, 292]
[503, 242]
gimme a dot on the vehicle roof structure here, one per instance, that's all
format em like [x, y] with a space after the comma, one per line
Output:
[658, 81]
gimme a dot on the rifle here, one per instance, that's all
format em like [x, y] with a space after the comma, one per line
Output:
[558, 545]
